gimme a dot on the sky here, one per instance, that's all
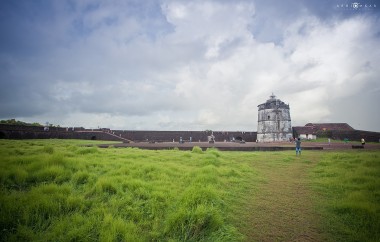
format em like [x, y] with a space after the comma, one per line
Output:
[189, 64]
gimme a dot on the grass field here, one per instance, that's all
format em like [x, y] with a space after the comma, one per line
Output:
[57, 190]
[347, 187]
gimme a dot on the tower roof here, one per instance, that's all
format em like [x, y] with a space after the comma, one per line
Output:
[272, 96]
[272, 103]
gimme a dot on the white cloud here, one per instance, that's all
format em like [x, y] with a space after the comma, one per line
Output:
[196, 65]
[207, 118]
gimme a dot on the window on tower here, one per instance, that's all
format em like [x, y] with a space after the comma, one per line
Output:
[268, 117]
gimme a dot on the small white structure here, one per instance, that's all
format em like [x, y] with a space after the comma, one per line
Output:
[308, 136]
[305, 132]
[274, 123]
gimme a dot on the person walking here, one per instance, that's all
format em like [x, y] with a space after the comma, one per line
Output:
[363, 141]
[298, 146]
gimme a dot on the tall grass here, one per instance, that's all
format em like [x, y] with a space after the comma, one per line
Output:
[57, 191]
[349, 185]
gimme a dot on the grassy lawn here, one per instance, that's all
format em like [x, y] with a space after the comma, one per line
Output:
[282, 205]
[57, 190]
[320, 196]
[347, 186]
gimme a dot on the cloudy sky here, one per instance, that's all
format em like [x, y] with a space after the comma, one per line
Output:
[188, 65]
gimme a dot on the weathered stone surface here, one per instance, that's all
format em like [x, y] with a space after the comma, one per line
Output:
[32, 132]
[274, 123]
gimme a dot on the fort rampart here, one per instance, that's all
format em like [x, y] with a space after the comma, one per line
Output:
[8, 131]
[352, 135]
[35, 132]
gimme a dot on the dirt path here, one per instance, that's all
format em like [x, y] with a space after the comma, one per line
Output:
[282, 208]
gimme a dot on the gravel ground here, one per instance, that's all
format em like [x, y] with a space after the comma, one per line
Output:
[248, 146]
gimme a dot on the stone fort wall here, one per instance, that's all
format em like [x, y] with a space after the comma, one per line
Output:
[34, 132]
[352, 135]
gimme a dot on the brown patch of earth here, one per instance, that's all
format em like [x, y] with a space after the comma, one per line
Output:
[282, 207]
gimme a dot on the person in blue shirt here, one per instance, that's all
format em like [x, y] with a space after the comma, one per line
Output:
[298, 146]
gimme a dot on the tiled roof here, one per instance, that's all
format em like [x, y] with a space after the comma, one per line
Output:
[330, 126]
[273, 103]
[305, 130]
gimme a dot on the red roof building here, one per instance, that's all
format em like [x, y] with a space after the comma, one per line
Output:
[330, 126]
[311, 130]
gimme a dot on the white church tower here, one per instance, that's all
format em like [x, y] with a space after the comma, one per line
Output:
[274, 123]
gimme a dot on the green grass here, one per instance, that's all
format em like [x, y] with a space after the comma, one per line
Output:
[326, 140]
[60, 190]
[349, 188]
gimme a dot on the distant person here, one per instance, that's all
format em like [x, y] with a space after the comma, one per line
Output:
[298, 146]
[363, 141]
[329, 141]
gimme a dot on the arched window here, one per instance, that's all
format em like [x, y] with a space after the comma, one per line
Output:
[268, 117]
